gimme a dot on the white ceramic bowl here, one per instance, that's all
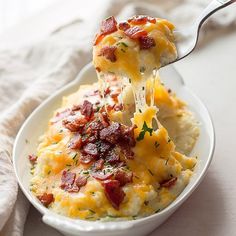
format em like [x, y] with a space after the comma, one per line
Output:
[35, 125]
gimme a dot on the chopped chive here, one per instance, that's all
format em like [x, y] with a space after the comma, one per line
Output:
[157, 144]
[26, 141]
[61, 131]
[169, 139]
[142, 69]
[140, 110]
[122, 43]
[93, 212]
[143, 88]
[150, 172]
[130, 81]
[74, 156]
[157, 210]
[167, 161]
[122, 50]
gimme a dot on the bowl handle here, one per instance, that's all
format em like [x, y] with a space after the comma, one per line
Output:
[68, 225]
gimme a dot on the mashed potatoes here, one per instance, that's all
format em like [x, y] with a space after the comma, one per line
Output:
[103, 156]
[159, 172]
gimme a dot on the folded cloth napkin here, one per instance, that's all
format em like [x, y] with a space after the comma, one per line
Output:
[31, 73]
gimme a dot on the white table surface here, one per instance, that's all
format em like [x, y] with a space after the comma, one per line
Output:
[211, 210]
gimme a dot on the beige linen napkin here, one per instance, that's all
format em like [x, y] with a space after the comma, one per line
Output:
[30, 74]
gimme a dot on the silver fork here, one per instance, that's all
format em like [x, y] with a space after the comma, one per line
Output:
[186, 40]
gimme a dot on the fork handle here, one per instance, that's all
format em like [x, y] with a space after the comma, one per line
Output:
[213, 6]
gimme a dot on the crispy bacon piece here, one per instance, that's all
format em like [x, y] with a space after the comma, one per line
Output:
[90, 149]
[32, 158]
[46, 199]
[60, 116]
[126, 150]
[86, 158]
[169, 183]
[135, 32]
[127, 135]
[87, 109]
[75, 142]
[98, 39]
[81, 181]
[104, 148]
[98, 165]
[108, 52]
[109, 25]
[74, 124]
[123, 26]
[138, 20]
[67, 180]
[141, 20]
[98, 69]
[114, 192]
[76, 107]
[103, 117]
[123, 177]
[146, 42]
[112, 157]
[99, 175]
[111, 134]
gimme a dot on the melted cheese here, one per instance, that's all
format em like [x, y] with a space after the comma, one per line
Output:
[155, 156]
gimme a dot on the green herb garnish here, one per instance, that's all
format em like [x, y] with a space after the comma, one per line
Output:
[157, 144]
[157, 210]
[123, 44]
[145, 129]
[142, 69]
[150, 172]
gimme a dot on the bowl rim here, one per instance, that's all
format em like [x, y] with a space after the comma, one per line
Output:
[173, 205]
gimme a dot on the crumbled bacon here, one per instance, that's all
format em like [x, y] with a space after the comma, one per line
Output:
[135, 32]
[102, 176]
[103, 117]
[98, 69]
[86, 158]
[98, 165]
[76, 107]
[98, 39]
[108, 52]
[146, 42]
[74, 124]
[32, 158]
[75, 142]
[123, 26]
[104, 148]
[90, 149]
[113, 157]
[152, 19]
[67, 180]
[126, 150]
[169, 183]
[127, 134]
[114, 192]
[61, 115]
[81, 181]
[123, 177]
[109, 25]
[46, 199]
[111, 134]
[138, 20]
[87, 109]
